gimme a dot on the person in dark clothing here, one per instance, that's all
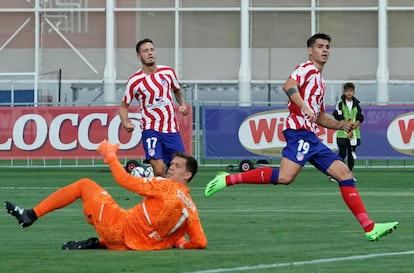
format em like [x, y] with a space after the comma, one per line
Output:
[349, 109]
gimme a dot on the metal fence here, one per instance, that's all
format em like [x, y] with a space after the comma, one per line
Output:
[81, 52]
[252, 44]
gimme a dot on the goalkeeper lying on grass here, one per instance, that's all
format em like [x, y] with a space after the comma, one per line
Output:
[160, 221]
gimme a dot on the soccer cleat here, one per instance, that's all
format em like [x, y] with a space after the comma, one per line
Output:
[215, 185]
[91, 243]
[25, 217]
[381, 230]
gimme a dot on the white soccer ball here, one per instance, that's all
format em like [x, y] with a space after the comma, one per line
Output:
[149, 172]
[138, 171]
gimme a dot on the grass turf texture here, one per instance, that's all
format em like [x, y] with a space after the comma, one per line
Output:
[304, 227]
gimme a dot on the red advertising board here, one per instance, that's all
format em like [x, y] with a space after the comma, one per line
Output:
[72, 132]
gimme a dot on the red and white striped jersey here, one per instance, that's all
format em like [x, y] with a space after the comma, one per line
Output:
[312, 88]
[153, 93]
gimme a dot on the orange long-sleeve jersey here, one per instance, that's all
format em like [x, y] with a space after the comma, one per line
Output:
[165, 215]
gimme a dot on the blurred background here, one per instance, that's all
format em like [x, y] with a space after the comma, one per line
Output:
[229, 55]
[81, 52]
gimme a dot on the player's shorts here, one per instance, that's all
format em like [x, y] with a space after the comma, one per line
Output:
[161, 145]
[303, 146]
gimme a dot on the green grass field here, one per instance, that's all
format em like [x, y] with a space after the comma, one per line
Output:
[301, 228]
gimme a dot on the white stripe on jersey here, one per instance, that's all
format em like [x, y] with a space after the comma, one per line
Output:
[154, 95]
[312, 90]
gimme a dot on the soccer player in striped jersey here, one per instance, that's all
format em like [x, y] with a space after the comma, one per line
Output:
[162, 220]
[305, 88]
[153, 86]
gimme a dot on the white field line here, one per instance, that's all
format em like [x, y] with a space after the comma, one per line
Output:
[221, 210]
[261, 266]
[300, 263]
[313, 191]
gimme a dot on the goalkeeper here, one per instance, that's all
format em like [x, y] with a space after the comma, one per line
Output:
[160, 221]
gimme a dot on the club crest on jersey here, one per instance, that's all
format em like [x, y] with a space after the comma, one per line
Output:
[164, 83]
[300, 156]
[151, 152]
[300, 70]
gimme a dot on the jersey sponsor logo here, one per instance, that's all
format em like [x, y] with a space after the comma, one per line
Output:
[158, 103]
[300, 71]
[154, 235]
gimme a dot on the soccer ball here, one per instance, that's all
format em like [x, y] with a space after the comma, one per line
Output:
[149, 172]
[138, 171]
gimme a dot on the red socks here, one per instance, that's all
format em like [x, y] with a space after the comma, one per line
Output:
[354, 202]
[263, 175]
[349, 193]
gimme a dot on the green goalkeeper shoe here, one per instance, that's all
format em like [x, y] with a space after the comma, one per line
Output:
[381, 230]
[215, 185]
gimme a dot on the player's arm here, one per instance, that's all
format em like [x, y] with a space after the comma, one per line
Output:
[328, 121]
[121, 177]
[197, 237]
[123, 114]
[291, 89]
[357, 123]
[132, 183]
[179, 96]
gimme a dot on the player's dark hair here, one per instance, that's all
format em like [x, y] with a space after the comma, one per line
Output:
[311, 41]
[349, 85]
[191, 165]
[140, 43]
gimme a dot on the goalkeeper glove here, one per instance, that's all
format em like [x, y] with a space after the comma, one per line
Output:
[180, 243]
[108, 150]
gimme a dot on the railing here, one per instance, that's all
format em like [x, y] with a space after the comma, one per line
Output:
[52, 92]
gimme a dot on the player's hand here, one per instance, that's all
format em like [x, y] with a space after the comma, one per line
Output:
[347, 126]
[180, 243]
[309, 114]
[129, 126]
[183, 110]
[351, 134]
[108, 150]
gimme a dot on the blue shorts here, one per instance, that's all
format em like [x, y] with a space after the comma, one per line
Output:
[161, 145]
[303, 146]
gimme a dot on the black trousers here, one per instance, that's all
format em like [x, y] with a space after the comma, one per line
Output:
[346, 149]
